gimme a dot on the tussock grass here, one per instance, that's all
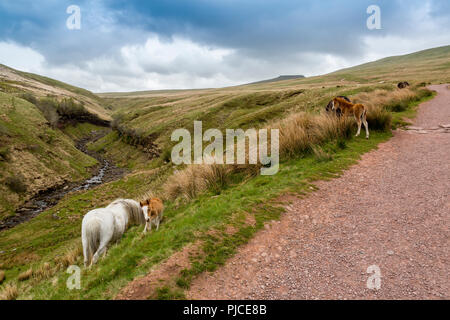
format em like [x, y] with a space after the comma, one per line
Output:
[45, 271]
[398, 100]
[386, 108]
[25, 275]
[384, 98]
[300, 134]
[196, 179]
[147, 195]
[379, 118]
[341, 144]
[9, 292]
[70, 257]
[215, 177]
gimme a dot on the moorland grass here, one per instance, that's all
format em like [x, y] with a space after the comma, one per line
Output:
[49, 241]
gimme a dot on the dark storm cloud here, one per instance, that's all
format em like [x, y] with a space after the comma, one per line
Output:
[256, 27]
[266, 37]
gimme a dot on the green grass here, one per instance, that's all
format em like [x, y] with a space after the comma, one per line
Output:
[408, 111]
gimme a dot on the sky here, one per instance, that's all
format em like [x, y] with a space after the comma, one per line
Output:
[181, 44]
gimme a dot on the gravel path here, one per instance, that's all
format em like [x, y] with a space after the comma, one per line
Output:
[390, 210]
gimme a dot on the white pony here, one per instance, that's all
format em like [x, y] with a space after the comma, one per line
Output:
[105, 225]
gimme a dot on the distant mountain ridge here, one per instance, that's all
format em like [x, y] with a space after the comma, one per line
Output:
[280, 78]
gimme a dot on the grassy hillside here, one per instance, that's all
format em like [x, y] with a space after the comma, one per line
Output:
[34, 156]
[158, 113]
[219, 217]
[37, 154]
[13, 81]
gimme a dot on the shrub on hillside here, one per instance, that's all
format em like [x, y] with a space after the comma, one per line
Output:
[66, 111]
[134, 137]
[4, 153]
[29, 97]
[72, 111]
[48, 108]
[16, 184]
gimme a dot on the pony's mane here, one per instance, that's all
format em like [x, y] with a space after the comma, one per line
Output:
[343, 102]
[135, 213]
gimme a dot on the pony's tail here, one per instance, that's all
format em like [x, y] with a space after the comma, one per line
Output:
[364, 114]
[90, 237]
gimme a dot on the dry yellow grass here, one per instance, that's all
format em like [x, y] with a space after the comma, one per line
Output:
[300, 132]
[9, 292]
[381, 98]
[25, 275]
[148, 195]
[45, 271]
[196, 179]
[69, 257]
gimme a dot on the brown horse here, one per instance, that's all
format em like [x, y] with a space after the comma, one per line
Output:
[358, 110]
[153, 211]
[329, 105]
[403, 84]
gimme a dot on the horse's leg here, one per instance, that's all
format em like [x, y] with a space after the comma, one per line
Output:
[358, 120]
[85, 250]
[366, 125]
[86, 255]
[101, 250]
[157, 225]
[145, 228]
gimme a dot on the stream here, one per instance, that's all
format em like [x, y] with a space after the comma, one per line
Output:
[105, 172]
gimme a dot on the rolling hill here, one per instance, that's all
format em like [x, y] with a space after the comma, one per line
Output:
[157, 113]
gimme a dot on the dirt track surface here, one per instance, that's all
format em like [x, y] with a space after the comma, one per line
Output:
[391, 210]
